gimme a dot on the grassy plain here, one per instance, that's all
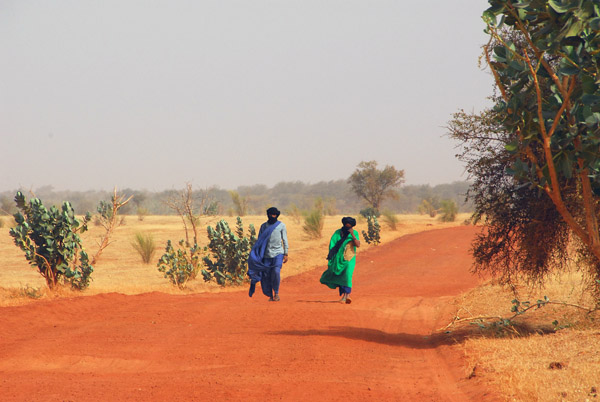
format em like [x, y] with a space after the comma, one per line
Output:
[120, 268]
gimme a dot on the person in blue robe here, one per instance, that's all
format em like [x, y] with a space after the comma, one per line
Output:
[268, 255]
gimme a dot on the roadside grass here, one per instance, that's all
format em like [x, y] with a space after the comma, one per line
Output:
[550, 353]
[122, 270]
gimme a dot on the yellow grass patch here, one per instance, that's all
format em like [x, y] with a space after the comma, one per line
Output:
[120, 268]
[535, 360]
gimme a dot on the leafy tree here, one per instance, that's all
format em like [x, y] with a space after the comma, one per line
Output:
[543, 133]
[374, 185]
[51, 242]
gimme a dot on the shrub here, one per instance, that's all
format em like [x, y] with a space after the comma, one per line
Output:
[51, 242]
[428, 207]
[369, 212]
[372, 236]
[294, 212]
[313, 224]
[390, 219]
[181, 265]
[449, 210]
[227, 263]
[145, 246]
[212, 209]
[1, 223]
[142, 213]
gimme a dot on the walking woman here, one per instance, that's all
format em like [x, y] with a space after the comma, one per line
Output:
[342, 259]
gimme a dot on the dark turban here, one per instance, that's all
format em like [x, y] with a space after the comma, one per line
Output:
[273, 211]
[349, 220]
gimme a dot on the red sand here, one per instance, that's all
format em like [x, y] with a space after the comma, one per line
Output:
[228, 346]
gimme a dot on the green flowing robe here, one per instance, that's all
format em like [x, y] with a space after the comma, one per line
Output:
[339, 271]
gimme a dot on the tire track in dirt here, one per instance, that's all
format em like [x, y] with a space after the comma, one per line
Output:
[227, 346]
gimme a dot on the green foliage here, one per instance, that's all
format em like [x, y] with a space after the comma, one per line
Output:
[374, 185]
[145, 246]
[51, 242]
[181, 265]
[313, 224]
[390, 219]
[370, 211]
[544, 56]
[227, 263]
[372, 235]
[448, 210]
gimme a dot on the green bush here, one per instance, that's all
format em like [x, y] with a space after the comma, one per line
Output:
[313, 224]
[181, 265]
[227, 263]
[145, 246]
[369, 212]
[51, 242]
[449, 210]
[372, 236]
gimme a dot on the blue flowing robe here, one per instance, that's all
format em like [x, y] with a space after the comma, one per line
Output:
[258, 271]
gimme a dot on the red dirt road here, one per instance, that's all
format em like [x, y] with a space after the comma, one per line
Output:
[228, 346]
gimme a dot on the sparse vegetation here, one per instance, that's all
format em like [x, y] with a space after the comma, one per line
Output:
[390, 219]
[448, 210]
[144, 244]
[228, 260]
[429, 207]
[51, 242]
[142, 213]
[108, 215]
[181, 265]
[240, 203]
[313, 224]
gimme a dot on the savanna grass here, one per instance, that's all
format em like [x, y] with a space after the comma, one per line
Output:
[145, 246]
[313, 224]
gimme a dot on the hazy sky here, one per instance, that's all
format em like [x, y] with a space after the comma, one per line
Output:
[153, 94]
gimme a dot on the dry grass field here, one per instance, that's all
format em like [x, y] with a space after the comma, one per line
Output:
[120, 268]
[536, 359]
[533, 361]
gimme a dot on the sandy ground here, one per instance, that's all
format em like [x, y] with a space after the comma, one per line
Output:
[227, 346]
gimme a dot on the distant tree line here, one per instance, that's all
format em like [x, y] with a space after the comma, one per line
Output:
[337, 197]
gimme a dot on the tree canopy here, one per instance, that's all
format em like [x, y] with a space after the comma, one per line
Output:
[535, 155]
[374, 185]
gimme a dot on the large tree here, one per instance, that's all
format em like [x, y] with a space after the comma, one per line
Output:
[374, 185]
[543, 164]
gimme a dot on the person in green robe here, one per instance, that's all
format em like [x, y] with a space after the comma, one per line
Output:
[342, 259]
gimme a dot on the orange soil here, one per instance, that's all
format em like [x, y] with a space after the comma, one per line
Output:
[227, 346]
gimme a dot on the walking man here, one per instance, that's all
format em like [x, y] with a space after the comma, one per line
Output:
[268, 255]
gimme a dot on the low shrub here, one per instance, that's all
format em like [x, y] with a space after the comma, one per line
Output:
[227, 263]
[390, 219]
[449, 210]
[181, 265]
[144, 244]
[313, 224]
[372, 235]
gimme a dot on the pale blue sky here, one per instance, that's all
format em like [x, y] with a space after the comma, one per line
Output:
[153, 94]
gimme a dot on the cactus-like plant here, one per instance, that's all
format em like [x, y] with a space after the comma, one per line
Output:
[51, 242]
[373, 230]
[181, 265]
[228, 259]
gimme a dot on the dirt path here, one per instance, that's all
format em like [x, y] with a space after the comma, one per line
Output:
[230, 347]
